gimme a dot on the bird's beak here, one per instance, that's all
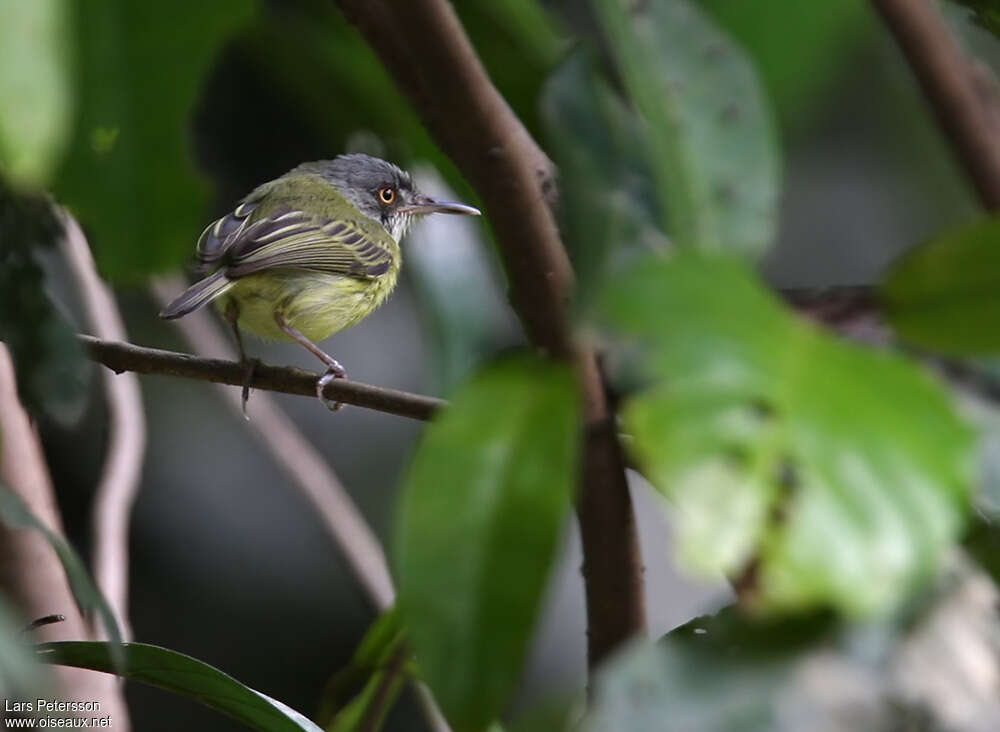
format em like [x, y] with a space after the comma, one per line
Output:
[427, 205]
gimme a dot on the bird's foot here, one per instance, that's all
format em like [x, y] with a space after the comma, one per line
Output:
[333, 371]
[249, 365]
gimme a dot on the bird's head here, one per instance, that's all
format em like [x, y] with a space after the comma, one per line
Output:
[382, 191]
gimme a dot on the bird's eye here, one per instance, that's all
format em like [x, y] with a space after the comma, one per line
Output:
[387, 194]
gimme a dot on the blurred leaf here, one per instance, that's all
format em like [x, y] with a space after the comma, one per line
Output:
[608, 206]
[944, 295]
[20, 674]
[52, 373]
[35, 95]
[711, 142]
[931, 669]
[827, 473]
[482, 511]
[15, 514]
[130, 176]
[986, 12]
[369, 669]
[460, 290]
[182, 675]
[801, 50]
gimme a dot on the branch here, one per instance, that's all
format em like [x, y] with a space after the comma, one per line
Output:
[126, 448]
[31, 575]
[949, 82]
[122, 357]
[423, 45]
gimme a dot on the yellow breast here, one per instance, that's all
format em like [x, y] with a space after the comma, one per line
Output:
[316, 304]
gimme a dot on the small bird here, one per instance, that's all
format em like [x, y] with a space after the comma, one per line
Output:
[309, 254]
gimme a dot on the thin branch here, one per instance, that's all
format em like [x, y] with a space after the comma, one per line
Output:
[122, 469]
[122, 357]
[949, 82]
[423, 45]
[31, 575]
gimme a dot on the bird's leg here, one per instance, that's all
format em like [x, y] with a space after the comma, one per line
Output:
[333, 368]
[233, 316]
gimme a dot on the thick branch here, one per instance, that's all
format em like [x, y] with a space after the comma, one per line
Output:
[423, 45]
[949, 82]
[121, 357]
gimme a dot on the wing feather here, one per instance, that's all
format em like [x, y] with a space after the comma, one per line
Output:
[295, 239]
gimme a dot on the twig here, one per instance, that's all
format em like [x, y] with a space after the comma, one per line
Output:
[122, 469]
[423, 45]
[30, 573]
[948, 80]
[122, 357]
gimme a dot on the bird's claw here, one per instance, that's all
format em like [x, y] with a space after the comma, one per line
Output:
[249, 365]
[333, 371]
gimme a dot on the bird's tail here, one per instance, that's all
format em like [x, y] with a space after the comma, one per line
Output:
[198, 294]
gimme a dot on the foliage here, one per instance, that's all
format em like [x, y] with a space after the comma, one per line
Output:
[708, 128]
[129, 175]
[744, 428]
[379, 667]
[52, 374]
[35, 93]
[945, 294]
[181, 674]
[986, 12]
[482, 509]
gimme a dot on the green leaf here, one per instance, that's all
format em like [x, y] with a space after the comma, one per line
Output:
[53, 375]
[17, 515]
[182, 675]
[711, 142]
[831, 473]
[945, 295]
[130, 176]
[35, 95]
[482, 510]
[925, 670]
[608, 206]
[376, 668]
[799, 50]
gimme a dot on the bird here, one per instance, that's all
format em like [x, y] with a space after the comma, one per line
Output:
[308, 254]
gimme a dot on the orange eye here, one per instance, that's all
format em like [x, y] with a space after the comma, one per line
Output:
[387, 195]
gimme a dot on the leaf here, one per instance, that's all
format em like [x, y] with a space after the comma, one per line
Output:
[16, 514]
[926, 670]
[375, 666]
[830, 474]
[712, 147]
[53, 376]
[608, 206]
[130, 176]
[481, 514]
[182, 675]
[944, 295]
[799, 50]
[35, 94]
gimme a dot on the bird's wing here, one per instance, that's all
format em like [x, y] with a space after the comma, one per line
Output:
[219, 236]
[290, 238]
